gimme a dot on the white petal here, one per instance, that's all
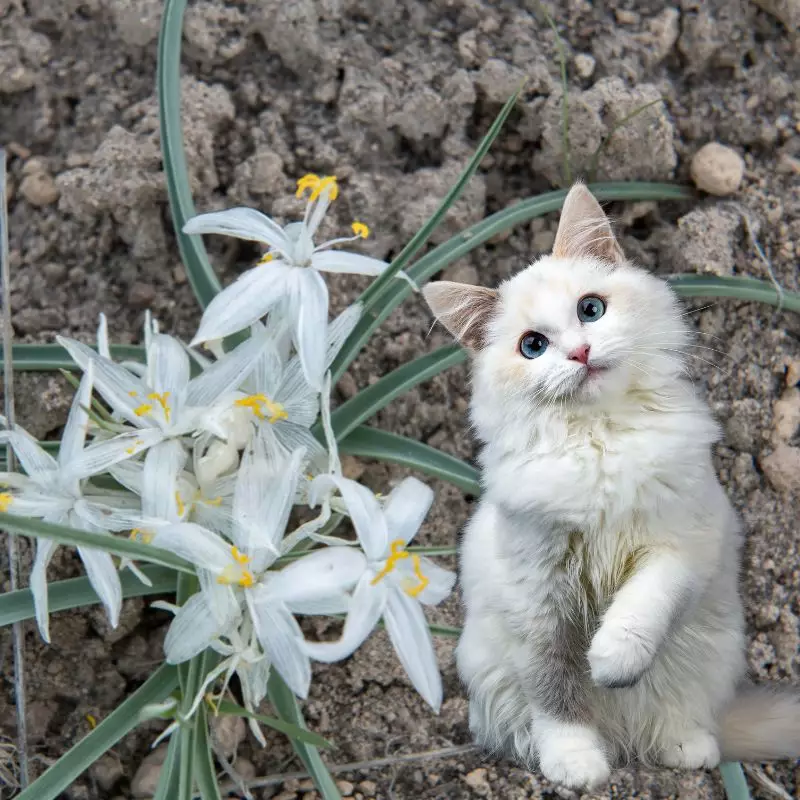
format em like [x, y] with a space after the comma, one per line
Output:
[267, 371]
[104, 578]
[340, 329]
[128, 473]
[333, 604]
[167, 364]
[440, 583]
[38, 585]
[406, 507]
[254, 679]
[162, 465]
[74, 437]
[324, 573]
[364, 510]
[280, 636]
[411, 637]
[192, 630]
[243, 302]
[366, 608]
[351, 263]
[242, 223]
[97, 458]
[293, 437]
[38, 463]
[122, 390]
[308, 308]
[197, 545]
[103, 517]
[102, 337]
[220, 598]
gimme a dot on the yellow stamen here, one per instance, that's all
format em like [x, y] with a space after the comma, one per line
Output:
[144, 408]
[233, 573]
[141, 535]
[397, 553]
[6, 499]
[90, 718]
[162, 398]
[360, 229]
[329, 183]
[131, 450]
[254, 402]
[266, 258]
[308, 181]
[414, 591]
[212, 501]
[238, 556]
[180, 504]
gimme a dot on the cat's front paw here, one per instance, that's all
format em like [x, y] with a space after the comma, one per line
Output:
[697, 749]
[576, 763]
[619, 654]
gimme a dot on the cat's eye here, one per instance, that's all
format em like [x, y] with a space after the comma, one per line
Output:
[591, 308]
[533, 344]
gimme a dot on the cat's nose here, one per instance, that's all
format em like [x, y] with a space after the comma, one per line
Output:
[579, 354]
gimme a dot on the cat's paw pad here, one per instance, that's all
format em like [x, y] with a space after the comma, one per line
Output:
[619, 655]
[698, 749]
[577, 764]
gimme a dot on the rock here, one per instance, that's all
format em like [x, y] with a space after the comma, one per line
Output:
[369, 787]
[707, 240]
[782, 468]
[498, 80]
[136, 21]
[106, 772]
[141, 295]
[786, 413]
[345, 787]
[39, 189]
[717, 169]
[228, 731]
[215, 30]
[462, 273]
[292, 31]
[584, 65]
[422, 116]
[14, 75]
[792, 374]
[476, 780]
[787, 11]
[145, 779]
[352, 468]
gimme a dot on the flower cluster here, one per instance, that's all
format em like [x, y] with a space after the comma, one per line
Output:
[211, 456]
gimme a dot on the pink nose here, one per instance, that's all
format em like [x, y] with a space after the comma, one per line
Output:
[580, 354]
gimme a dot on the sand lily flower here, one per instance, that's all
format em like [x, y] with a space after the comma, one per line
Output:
[55, 490]
[287, 275]
[236, 578]
[394, 581]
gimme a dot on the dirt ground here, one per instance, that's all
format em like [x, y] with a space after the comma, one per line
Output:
[392, 96]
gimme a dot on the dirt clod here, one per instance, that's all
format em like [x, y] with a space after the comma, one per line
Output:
[717, 169]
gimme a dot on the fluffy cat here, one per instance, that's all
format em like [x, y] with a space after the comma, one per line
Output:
[600, 570]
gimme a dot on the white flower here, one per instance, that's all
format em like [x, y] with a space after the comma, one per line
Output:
[288, 274]
[236, 577]
[394, 581]
[56, 491]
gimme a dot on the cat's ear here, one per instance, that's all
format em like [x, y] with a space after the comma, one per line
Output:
[463, 309]
[584, 229]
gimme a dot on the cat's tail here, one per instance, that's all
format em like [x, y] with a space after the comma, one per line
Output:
[762, 724]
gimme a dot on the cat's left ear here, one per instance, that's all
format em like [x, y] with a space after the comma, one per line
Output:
[464, 310]
[584, 230]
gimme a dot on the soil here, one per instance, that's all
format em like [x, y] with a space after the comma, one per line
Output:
[392, 97]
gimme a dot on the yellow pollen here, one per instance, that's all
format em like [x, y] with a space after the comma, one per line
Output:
[180, 504]
[90, 718]
[397, 553]
[266, 258]
[162, 398]
[212, 501]
[132, 393]
[255, 402]
[131, 450]
[238, 556]
[140, 535]
[360, 229]
[309, 181]
[327, 183]
[414, 591]
[6, 499]
[144, 408]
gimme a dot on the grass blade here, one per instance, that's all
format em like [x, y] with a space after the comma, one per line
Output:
[733, 779]
[46, 357]
[77, 592]
[369, 401]
[384, 446]
[102, 541]
[299, 732]
[738, 288]
[116, 725]
[167, 788]
[193, 253]
[288, 709]
[204, 773]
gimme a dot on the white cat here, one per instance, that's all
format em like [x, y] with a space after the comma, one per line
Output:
[600, 571]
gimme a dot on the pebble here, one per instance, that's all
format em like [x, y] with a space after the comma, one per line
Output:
[476, 779]
[717, 169]
[782, 468]
[352, 468]
[370, 787]
[345, 787]
[786, 416]
[584, 65]
[141, 295]
[145, 780]
[39, 189]
[106, 771]
[228, 731]
[462, 273]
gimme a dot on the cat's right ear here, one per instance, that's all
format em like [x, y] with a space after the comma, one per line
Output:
[463, 309]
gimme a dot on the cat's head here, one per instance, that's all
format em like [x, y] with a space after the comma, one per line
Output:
[576, 326]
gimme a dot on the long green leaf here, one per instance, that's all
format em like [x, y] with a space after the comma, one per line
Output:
[392, 294]
[116, 725]
[204, 772]
[46, 357]
[167, 788]
[299, 732]
[733, 779]
[287, 708]
[369, 401]
[738, 288]
[384, 446]
[77, 592]
[102, 541]
[198, 268]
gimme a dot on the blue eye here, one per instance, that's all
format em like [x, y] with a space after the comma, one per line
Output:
[533, 344]
[590, 308]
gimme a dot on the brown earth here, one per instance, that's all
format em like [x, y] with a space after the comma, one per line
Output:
[392, 96]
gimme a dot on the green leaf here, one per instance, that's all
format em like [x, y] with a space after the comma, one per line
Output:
[167, 788]
[116, 725]
[739, 288]
[384, 446]
[198, 268]
[77, 592]
[369, 401]
[204, 772]
[45, 357]
[444, 630]
[288, 709]
[733, 779]
[102, 541]
[391, 295]
[299, 732]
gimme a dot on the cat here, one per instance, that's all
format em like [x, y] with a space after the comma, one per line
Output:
[600, 570]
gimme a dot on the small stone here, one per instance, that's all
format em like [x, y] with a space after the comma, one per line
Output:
[584, 65]
[228, 731]
[717, 169]
[39, 189]
[462, 273]
[141, 295]
[54, 271]
[792, 374]
[34, 166]
[352, 468]
[347, 385]
[345, 787]
[145, 780]
[786, 413]
[370, 787]
[782, 468]
[477, 780]
[106, 771]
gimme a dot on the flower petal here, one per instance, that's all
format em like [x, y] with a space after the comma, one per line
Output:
[74, 436]
[406, 507]
[242, 223]
[102, 337]
[41, 467]
[440, 582]
[411, 637]
[104, 578]
[243, 302]
[160, 496]
[340, 328]
[333, 604]
[364, 510]
[321, 574]
[38, 585]
[102, 517]
[99, 457]
[366, 607]
[192, 630]
[201, 547]
[167, 364]
[280, 636]
[351, 263]
[308, 308]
